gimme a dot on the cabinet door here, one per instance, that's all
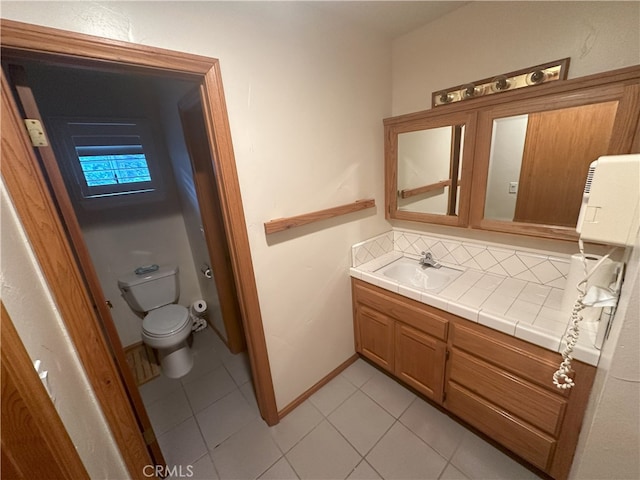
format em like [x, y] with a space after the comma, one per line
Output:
[420, 361]
[374, 336]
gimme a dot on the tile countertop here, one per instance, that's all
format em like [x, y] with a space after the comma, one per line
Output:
[526, 310]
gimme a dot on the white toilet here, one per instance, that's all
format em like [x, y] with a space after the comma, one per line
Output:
[166, 326]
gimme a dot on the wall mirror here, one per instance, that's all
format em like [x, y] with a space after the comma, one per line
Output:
[514, 164]
[427, 168]
[532, 164]
[539, 161]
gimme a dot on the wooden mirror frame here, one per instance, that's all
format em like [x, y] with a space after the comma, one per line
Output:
[394, 127]
[622, 85]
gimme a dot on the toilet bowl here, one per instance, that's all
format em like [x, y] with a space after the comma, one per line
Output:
[152, 289]
[167, 330]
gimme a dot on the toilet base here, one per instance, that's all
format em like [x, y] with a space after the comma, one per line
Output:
[177, 362]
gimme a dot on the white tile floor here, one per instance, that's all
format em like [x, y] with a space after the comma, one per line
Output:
[361, 425]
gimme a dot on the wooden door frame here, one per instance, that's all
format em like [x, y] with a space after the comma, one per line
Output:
[212, 222]
[41, 221]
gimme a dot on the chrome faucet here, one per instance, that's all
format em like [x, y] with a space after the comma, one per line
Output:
[427, 260]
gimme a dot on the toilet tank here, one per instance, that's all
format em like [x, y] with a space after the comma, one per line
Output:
[151, 290]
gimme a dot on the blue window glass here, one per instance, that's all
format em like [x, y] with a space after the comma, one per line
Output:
[114, 169]
[110, 162]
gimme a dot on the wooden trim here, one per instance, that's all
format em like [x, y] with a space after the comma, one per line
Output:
[40, 220]
[219, 132]
[27, 188]
[326, 379]
[35, 442]
[78, 49]
[543, 231]
[390, 172]
[282, 224]
[562, 75]
[391, 132]
[627, 121]
[622, 75]
[410, 192]
[202, 163]
[454, 168]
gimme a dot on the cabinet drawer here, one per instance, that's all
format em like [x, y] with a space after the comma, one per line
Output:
[427, 319]
[511, 354]
[523, 399]
[374, 336]
[515, 434]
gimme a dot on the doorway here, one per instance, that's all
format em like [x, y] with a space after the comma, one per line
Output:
[26, 180]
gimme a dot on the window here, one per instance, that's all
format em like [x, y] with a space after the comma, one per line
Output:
[109, 160]
[113, 164]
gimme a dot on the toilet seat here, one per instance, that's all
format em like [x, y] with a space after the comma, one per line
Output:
[166, 321]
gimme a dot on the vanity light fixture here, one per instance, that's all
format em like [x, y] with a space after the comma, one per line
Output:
[526, 77]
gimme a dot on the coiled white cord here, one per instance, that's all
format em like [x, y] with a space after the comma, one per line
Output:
[561, 377]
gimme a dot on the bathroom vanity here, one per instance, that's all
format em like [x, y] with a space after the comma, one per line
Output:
[486, 344]
[484, 375]
[498, 384]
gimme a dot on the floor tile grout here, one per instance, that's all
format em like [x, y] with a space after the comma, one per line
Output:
[358, 386]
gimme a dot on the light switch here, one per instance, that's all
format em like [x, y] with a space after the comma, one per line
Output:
[513, 187]
[44, 378]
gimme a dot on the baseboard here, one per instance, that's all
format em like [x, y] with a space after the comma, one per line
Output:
[326, 379]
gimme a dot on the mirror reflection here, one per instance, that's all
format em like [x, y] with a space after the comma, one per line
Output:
[538, 163]
[429, 165]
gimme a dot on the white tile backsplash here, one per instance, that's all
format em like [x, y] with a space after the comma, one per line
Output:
[368, 250]
[530, 266]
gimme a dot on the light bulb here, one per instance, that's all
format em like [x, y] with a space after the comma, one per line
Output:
[500, 83]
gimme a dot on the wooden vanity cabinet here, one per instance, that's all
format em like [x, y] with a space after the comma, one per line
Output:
[405, 337]
[374, 336]
[420, 360]
[498, 384]
[502, 386]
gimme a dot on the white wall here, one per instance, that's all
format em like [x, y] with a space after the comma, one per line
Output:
[33, 312]
[169, 94]
[484, 39]
[306, 95]
[505, 160]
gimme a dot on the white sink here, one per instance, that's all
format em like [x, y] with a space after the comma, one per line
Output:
[409, 272]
